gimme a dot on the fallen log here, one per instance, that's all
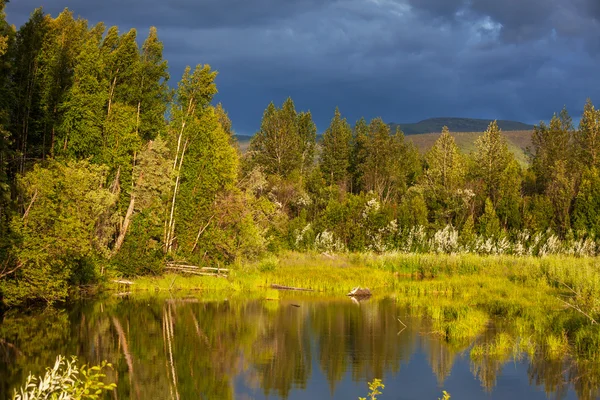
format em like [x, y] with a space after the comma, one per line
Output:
[185, 266]
[196, 272]
[122, 282]
[280, 287]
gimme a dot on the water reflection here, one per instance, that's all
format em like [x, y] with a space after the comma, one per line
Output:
[298, 347]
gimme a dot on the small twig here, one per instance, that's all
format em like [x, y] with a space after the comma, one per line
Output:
[401, 330]
[578, 309]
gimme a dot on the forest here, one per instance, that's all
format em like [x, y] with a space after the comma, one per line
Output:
[105, 170]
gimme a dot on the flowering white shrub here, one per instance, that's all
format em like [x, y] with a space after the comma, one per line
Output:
[445, 241]
[551, 246]
[327, 243]
[300, 235]
[372, 206]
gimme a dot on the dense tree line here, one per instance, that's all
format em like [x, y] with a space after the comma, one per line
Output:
[106, 170]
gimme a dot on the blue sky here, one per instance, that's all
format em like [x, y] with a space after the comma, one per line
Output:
[403, 60]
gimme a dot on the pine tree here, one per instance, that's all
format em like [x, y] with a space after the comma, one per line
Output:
[445, 164]
[153, 92]
[63, 44]
[277, 146]
[358, 154]
[586, 210]
[444, 176]
[307, 137]
[81, 131]
[560, 192]
[389, 162]
[491, 160]
[587, 137]
[27, 111]
[336, 151]
[6, 43]
[550, 145]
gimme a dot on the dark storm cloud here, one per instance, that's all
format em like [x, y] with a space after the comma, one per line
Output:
[403, 60]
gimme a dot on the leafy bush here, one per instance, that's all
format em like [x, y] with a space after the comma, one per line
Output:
[66, 381]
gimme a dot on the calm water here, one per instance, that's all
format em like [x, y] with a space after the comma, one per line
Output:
[305, 347]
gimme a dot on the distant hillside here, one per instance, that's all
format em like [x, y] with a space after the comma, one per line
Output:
[458, 125]
[518, 141]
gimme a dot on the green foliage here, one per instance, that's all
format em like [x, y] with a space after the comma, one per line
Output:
[57, 233]
[586, 211]
[284, 142]
[489, 224]
[374, 387]
[336, 148]
[67, 381]
[445, 396]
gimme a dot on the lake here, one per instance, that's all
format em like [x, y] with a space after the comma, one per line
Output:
[295, 347]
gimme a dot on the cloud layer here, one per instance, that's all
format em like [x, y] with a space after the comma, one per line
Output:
[403, 60]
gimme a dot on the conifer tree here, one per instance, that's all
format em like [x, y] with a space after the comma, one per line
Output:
[336, 150]
[491, 160]
[307, 137]
[389, 162]
[27, 110]
[277, 146]
[57, 62]
[587, 137]
[358, 154]
[152, 89]
[550, 145]
[81, 131]
[444, 176]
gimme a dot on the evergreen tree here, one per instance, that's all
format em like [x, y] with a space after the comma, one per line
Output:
[6, 43]
[81, 131]
[277, 146]
[358, 154]
[27, 110]
[336, 150]
[560, 192]
[389, 162]
[307, 136]
[489, 223]
[586, 210]
[491, 160]
[550, 145]
[153, 92]
[61, 47]
[444, 176]
[587, 137]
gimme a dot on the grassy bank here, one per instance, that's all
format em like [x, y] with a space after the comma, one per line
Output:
[388, 272]
[555, 298]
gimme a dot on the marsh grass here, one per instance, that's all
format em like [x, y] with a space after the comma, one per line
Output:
[464, 296]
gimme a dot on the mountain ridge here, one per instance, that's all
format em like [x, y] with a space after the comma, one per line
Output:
[457, 124]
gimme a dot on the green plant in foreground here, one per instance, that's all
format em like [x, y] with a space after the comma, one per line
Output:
[374, 387]
[445, 396]
[66, 381]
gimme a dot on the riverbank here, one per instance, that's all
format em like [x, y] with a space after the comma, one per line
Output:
[554, 298]
[385, 273]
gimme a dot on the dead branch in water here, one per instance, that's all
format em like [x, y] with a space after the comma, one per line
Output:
[280, 287]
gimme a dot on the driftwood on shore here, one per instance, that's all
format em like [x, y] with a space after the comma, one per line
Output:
[280, 287]
[123, 282]
[195, 270]
[360, 292]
